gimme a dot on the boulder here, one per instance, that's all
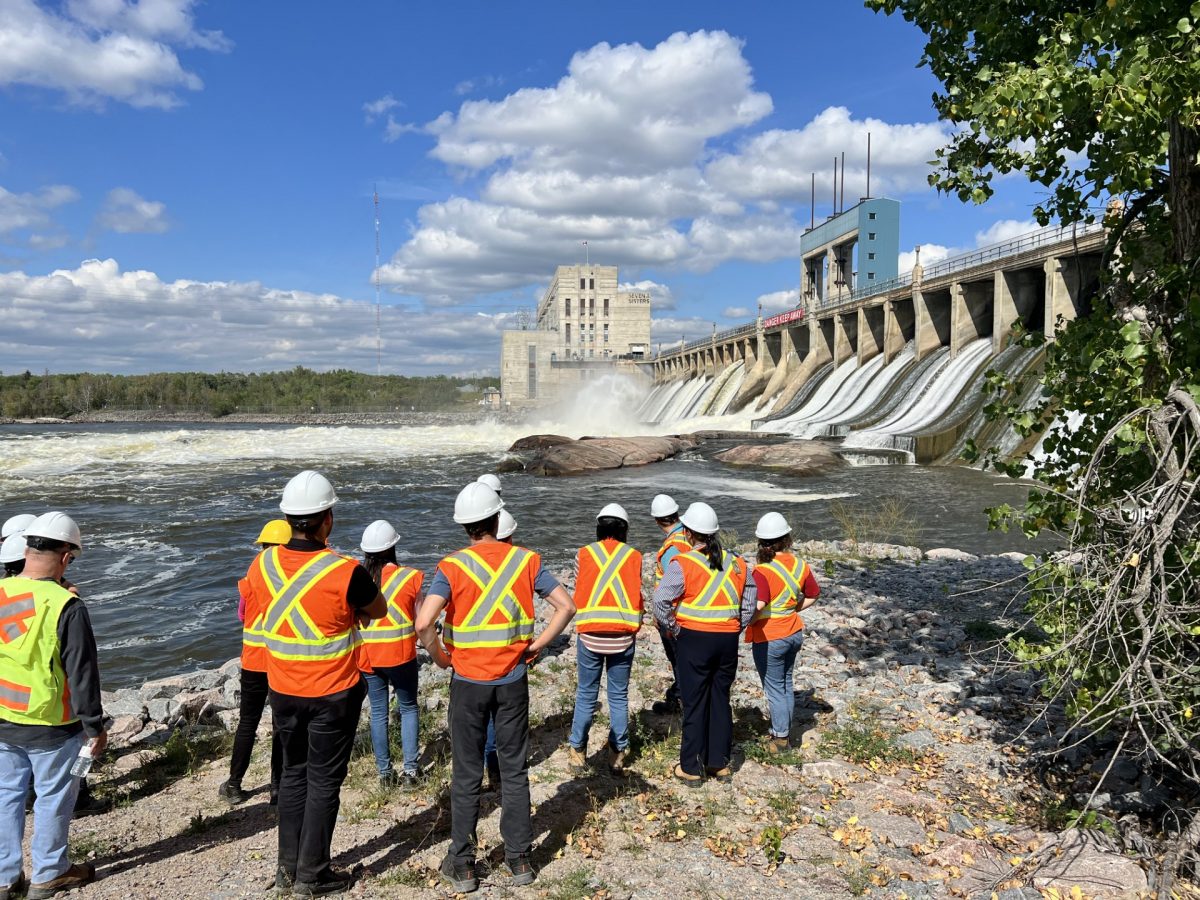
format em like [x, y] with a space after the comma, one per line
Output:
[949, 554]
[539, 442]
[798, 457]
[595, 454]
[124, 729]
[1080, 860]
[164, 688]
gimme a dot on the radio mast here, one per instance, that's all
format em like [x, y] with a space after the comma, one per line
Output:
[378, 327]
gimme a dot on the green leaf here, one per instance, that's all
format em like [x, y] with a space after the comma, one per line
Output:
[1184, 25]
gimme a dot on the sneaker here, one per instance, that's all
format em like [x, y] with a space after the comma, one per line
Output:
[461, 877]
[576, 761]
[331, 881]
[686, 777]
[77, 876]
[15, 889]
[231, 792]
[389, 779]
[284, 882]
[616, 760]
[410, 779]
[522, 870]
[723, 774]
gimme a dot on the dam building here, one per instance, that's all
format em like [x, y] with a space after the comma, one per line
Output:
[585, 328]
[887, 365]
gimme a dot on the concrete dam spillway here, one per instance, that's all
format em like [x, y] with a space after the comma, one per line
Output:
[892, 371]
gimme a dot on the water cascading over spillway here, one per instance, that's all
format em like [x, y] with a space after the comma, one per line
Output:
[683, 399]
[720, 393]
[939, 395]
[820, 398]
[656, 401]
[860, 398]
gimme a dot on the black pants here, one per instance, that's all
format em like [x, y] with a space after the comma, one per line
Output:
[668, 642]
[317, 734]
[470, 707]
[254, 699]
[706, 663]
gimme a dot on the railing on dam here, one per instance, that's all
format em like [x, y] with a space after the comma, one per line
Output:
[1052, 235]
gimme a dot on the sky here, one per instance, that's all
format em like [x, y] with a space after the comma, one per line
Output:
[189, 186]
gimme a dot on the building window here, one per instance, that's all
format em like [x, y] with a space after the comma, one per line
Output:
[532, 371]
[870, 235]
[591, 354]
[591, 306]
[871, 216]
[870, 256]
[591, 284]
[606, 334]
[870, 276]
[581, 283]
[567, 310]
[606, 309]
[568, 332]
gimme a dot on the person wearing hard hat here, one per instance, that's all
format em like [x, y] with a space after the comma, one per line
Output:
[388, 655]
[784, 585]
[608, 615]
[50, 709]
[491, 481]
[308, 601]
[487, 590]
[704, 599]
[253, 693]
[666, 516]
[12, 554]
[16, 525]
[505, 529]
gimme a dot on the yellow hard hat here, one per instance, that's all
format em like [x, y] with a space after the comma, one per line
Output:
[277, 531]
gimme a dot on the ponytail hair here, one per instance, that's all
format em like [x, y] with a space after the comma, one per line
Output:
[374, 563]
[712, 548]
[768, 549]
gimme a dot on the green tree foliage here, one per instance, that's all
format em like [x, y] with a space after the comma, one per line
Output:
[298, 390]
[1098, 101]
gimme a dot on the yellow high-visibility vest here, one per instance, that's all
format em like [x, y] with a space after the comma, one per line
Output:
[33, 682]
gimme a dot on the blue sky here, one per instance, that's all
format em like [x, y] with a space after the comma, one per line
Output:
[188, 185]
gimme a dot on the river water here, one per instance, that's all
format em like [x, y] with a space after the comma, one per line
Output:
[169, 513]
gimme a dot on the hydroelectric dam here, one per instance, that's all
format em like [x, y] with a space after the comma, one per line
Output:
[890, 368]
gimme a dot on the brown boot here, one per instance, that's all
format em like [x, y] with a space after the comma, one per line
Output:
[616, 760]
[686, 777]
[77, 876]
[576, 761]
[723, 774]
[16, 889]
[777, 745]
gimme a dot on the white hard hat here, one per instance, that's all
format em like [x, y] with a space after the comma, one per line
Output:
[475, 503]
[701, 519]
[491, 481]
[55, 526]
[614, 511]
[13, 548]
[663, 506]
[772, 526]
[379, 536]
[16, 523]
[308, 493]
[507, 525]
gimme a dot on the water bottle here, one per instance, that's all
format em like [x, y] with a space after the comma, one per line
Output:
[83, 762]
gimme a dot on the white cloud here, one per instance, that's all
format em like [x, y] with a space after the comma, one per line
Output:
[470, 85]
[778, 301]
[930, 253]
[27, 219]
[96, 317]
[779, 164]
[373, 109]
[661, 297]
[669, 331]
[1004, 230]
[95, 50]
[736, 312]
[126, 212]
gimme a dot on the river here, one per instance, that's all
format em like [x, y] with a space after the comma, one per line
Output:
[168, 513]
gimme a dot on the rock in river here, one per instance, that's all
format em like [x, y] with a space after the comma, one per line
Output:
[798, 456]
[592, 454]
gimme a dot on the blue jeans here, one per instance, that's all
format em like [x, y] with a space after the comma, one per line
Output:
[404, 680]
[490, 759]
[589, 666]
[774, 661]
[56, 787]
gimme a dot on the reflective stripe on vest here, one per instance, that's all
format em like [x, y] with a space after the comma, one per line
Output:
[785, 604]
[609, 584]
[496, 596]
[285, 608]
[33, 682]
[673, 539]
[719, 601]
[403, 626]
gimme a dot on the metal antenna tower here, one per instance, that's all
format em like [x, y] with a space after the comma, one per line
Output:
[378, 326]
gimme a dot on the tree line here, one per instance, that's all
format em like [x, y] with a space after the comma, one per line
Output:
[295, 391]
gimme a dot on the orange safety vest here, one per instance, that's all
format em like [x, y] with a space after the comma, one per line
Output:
[254, 651]
[392, 640]
[608, 588]
[674, 539]
[305, 625]
[489, 616]
[780, 618]
[711, 601]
